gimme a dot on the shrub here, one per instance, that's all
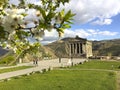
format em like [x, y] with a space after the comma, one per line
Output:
[7, 60]
[118, 67]
[111, 73]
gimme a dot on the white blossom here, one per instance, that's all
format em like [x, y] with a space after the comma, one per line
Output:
[11, 21]
[1, 7]
[11, 36]
[38, 34]
[14, 49]
[9, 27]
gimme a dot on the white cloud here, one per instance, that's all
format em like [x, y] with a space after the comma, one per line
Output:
[88, 33]
[102, 22]
[94, 11]
[79, 32]
[93, 32]
[107, 33]
[101, 33]
[99, 10]
[50, 36]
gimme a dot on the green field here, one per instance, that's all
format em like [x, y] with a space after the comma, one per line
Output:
[67, 79]
[96, 64]
[63, 80]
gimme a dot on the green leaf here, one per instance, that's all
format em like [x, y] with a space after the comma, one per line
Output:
[22, 2]
[2, 33]
[64, 1]
[24, 14]
[62, 13]
[1, 29]
[66, 26]
[50, 15]
[68, 16]
[31, 5]
[42, 11]
[4, 45]
[60, 30]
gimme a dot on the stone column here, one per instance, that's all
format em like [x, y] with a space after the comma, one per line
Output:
[79, 48]
[73, 48]
[70, 49]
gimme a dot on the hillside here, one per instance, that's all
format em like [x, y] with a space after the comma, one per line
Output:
[100, 48]
[5, 54]
[106, 47]
[58, 48]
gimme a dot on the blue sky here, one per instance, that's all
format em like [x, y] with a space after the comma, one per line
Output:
[94, 20]
[113, 28]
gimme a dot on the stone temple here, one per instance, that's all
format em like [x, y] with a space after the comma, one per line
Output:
[72, 47]
[79, 47]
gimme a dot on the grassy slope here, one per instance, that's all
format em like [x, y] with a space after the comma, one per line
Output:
[63, 80]
[109, 65]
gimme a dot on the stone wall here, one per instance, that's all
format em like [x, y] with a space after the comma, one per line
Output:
[89, 49]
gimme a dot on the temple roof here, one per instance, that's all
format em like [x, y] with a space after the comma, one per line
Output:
[76, 39]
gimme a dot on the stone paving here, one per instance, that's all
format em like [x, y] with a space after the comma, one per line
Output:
[44, 64]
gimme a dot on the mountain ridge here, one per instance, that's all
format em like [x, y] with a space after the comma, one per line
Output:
[100, 48]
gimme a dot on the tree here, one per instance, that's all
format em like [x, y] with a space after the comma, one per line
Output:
[15, 33]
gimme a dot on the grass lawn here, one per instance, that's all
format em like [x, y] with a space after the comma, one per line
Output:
[14, 69]
[96, 64]
[63, 80]
[68, 79]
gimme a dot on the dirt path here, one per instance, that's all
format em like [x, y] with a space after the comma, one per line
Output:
[118, 80]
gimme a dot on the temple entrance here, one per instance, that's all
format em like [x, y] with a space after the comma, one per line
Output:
[76, 49]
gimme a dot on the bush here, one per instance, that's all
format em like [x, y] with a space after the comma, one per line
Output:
[112, 73]
[7, 60]
[118, 67]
